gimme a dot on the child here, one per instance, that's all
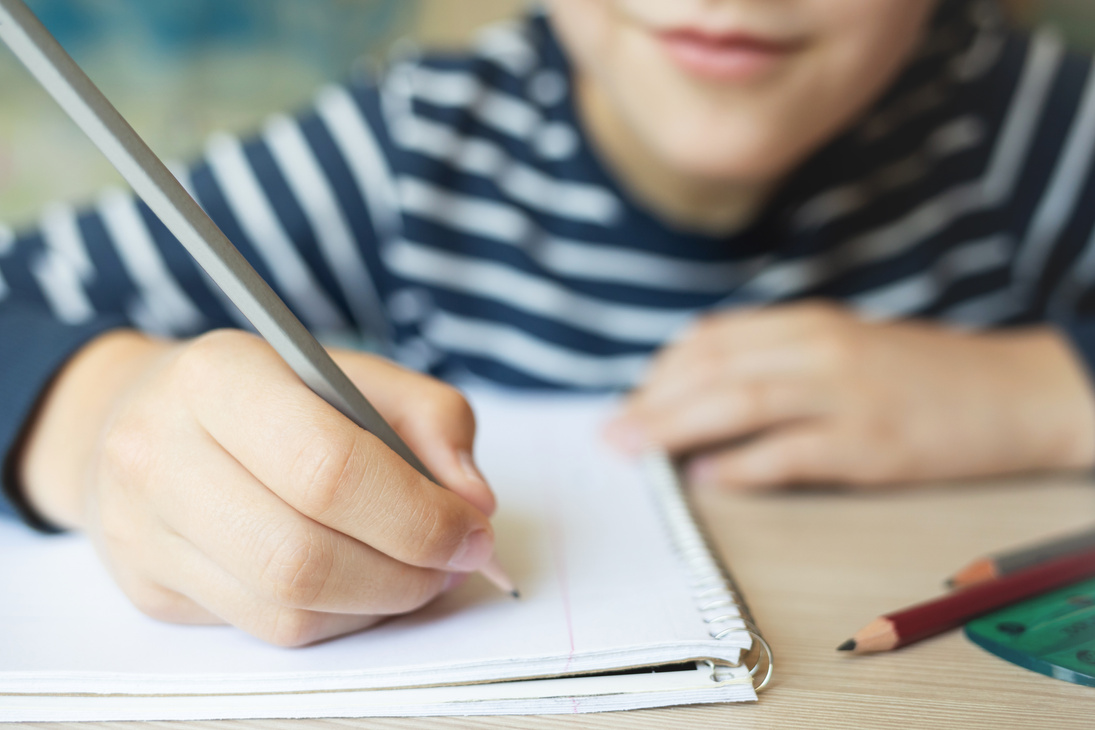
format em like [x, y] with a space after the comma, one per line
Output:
[549, 212]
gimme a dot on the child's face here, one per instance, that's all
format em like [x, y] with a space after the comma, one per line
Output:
[737, 90]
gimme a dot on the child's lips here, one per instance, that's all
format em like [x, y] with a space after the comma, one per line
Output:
[729, 57]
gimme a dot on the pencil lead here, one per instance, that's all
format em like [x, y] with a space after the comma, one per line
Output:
[515, 593]
[950, 583]
[848, 645]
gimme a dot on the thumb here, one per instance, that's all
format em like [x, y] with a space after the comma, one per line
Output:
[432, 417]
[445, 443]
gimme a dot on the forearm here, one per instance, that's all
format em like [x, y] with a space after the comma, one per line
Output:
[59, 443]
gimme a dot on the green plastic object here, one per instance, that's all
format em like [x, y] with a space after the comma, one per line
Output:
[1053, 634]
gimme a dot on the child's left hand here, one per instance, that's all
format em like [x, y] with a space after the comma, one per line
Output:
[811, 393]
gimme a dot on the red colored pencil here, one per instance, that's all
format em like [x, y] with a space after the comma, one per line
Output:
[918, 622]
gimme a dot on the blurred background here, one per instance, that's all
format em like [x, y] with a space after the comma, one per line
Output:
[179, 69]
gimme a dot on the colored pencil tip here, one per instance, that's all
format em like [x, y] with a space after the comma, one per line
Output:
[515, 593]
[848, 645]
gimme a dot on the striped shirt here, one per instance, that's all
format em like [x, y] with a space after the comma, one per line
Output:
[453, 211]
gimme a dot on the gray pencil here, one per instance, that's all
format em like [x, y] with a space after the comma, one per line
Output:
[995, 566]
[63, 79]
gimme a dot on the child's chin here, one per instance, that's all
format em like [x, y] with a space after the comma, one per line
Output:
[757, 163]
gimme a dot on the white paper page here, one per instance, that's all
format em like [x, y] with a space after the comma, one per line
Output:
[577, 529]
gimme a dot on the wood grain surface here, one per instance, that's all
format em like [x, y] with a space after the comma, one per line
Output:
[817, 566]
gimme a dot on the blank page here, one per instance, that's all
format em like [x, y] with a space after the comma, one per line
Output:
[577, 528]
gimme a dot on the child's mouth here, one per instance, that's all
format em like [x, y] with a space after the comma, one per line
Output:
[731, 57]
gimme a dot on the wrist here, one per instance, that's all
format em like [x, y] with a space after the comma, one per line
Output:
[60, 440]
[1055, 400]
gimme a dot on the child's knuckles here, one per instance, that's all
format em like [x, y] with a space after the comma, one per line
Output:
[323, 467]
[212, 357]
[297, 568]
[127, 451]
[203, 357]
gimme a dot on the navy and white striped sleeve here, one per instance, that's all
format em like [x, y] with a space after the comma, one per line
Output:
[290, 198]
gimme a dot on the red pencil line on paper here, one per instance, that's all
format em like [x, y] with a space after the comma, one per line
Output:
[564, 589]
[558, 545]
[558, 553]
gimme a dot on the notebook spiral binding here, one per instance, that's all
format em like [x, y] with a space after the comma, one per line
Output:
[718, 597]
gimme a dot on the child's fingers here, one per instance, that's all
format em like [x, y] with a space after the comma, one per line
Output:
[170, 581]
[694, 372]
[221, 594]
[277, 554]
[433, 418]
[721, 413]
[325, 467]
[795, 454]
[782, 341]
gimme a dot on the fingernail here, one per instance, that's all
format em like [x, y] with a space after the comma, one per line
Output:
[471, 471]
[627, 436]
[473, 552]
[454, 580]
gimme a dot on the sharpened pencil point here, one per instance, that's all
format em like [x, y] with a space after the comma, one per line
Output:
[950, 583]
[848, 645]
[516, 594]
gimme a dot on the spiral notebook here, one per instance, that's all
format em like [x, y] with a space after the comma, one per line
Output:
[623, 606]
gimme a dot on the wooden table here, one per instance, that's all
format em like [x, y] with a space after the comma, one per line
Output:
[815, 567]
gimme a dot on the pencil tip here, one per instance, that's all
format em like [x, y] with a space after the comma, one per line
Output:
[515, 593]
[848, 645]
[950, 583]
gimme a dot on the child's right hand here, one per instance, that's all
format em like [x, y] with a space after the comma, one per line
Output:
[218, 488]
